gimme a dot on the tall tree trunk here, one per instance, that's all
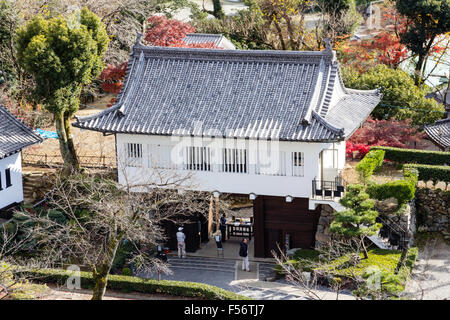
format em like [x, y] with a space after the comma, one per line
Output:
[72, 153]
[366, 256]
[66, 144]
[280, 35]
[217, 9]
[418, 70]
[100, 272]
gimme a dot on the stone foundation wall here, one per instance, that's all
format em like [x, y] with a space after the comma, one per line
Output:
[433, 209]
[323, 227]
[406, 220]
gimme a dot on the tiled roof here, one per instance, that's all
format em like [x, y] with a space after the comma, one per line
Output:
[286, 95]
[218, 39]
[439, 132]
[14, 135]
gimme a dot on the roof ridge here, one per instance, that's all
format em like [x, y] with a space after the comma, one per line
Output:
[231, 54]
[204, 34]
[326, 124]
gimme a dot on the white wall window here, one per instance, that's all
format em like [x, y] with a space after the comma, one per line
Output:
[234, 160]
[271, 163]
[159, 156]
[134, 154]
[298, 166]
[197, 158]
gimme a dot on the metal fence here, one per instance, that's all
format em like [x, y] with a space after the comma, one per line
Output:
[51, 160]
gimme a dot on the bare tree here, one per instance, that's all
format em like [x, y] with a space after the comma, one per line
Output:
[338, 19]
[311, 276]
[91, 215]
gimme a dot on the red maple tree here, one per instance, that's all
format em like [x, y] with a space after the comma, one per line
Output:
[385, 47]
[390, 133]
[161, 32]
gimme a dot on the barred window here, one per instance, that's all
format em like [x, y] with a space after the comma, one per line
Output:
[197, 158]
[297, 161]
[134, 154]
[8, 177]
[234, 160]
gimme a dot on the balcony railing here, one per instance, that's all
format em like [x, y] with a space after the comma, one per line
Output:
[328, 190]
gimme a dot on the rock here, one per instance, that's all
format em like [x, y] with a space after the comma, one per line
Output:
[390, 204]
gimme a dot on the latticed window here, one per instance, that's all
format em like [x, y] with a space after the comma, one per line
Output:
[297, 161]
[134, 154]
[197, 158]
[234, 160]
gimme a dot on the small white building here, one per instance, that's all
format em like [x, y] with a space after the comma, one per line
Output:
[14, 136]
[268, 124]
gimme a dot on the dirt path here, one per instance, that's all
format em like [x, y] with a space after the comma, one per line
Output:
[87, 143]
[431, 277]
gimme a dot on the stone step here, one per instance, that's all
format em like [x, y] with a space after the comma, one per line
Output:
[198, 263]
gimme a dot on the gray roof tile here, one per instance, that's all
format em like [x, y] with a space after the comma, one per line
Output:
[439, 132]
[282, 95]
[217, 39]
[14, 135]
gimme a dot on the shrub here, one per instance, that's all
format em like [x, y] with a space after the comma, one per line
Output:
[135, 284]
[402, 190]
[431, 173]
[415, 156]
[405, 269]
[126, 272]
[371, 162]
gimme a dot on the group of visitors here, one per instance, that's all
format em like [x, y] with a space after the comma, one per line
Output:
[243, 248]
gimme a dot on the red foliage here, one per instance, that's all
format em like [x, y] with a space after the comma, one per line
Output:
[390, 133]
[385, 48]
[160, 32]
[165, 32]
[112, 77]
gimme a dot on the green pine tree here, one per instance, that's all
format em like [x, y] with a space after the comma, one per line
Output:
[359, 220]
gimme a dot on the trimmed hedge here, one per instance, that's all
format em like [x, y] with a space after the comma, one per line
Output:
[371, 162]
[135, 284]
[414, 156]
[431, 173]
[402, 190]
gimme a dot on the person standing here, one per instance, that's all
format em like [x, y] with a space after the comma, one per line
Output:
[223, 227]
[181, 237]
[243, 252]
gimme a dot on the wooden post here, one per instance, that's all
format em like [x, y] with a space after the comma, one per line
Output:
[217, 215]
[210, 216]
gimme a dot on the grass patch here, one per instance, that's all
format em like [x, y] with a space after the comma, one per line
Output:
[303, 259]
[384, 259]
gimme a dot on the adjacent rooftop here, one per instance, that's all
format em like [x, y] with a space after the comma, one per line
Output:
[439, 132]
[14, 135]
